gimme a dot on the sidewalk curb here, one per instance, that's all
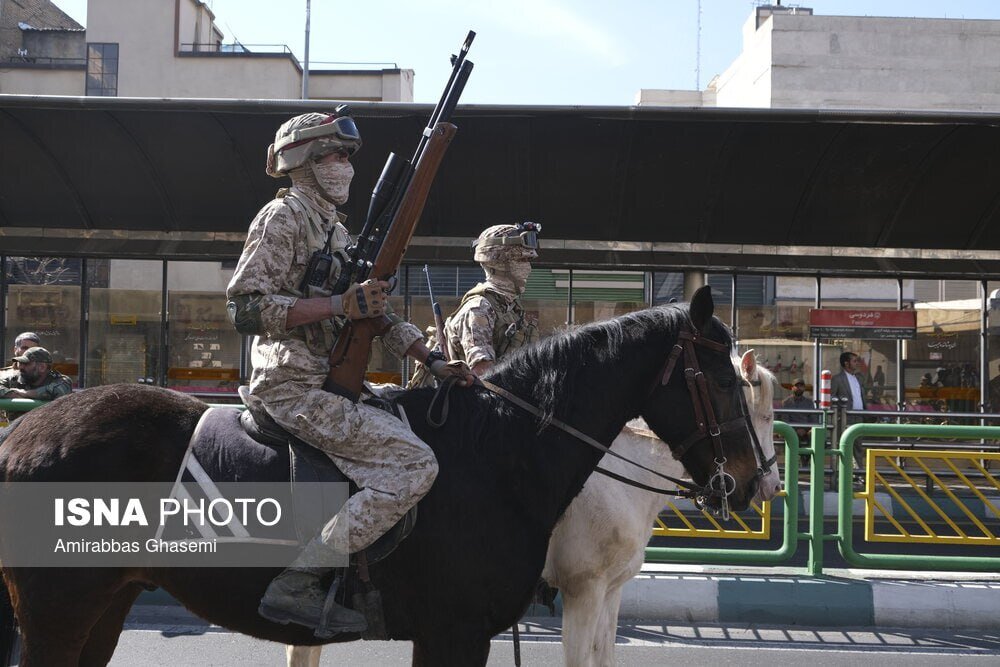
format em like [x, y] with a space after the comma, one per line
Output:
[811, 601]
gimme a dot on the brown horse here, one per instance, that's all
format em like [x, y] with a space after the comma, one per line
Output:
[469, 567]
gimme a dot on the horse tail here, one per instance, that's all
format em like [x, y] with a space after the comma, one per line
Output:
[9, 634]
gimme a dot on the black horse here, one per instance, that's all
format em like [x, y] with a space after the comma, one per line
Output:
[470, 566]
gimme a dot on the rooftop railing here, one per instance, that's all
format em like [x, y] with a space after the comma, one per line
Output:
[235, 48]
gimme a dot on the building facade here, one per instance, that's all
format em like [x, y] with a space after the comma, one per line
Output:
[163, 48]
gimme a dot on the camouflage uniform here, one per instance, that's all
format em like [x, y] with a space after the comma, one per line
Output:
[490, 321]
[392, 466]
[489, 324]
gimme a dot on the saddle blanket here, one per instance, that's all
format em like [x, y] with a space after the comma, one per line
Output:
[304, 480]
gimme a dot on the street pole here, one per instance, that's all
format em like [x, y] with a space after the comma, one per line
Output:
[305, 64]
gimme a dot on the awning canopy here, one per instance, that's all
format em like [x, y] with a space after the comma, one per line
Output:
[636, 187]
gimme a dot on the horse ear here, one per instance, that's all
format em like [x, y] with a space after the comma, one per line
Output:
[702, 307]
[748, 364]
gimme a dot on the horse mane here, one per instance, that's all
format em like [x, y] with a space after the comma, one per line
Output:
[544, 369]
[764, 394]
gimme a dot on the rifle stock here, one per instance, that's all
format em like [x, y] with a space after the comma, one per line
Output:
[349, 357]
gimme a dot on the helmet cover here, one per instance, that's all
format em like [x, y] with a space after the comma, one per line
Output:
[507, 243]
[310, 136]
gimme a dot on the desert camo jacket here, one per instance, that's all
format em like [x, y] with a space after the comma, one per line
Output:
[471, 331]
[280, 242]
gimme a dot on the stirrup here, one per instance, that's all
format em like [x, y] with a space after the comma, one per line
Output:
[330, 605]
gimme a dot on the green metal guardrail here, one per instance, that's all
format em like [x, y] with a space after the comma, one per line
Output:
[846, 495]
[19, 404]
[815, 535]
[790, 518]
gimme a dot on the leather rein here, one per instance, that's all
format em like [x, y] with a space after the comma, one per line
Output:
[721, 484]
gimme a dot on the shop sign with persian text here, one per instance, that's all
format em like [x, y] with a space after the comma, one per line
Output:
[865, 324]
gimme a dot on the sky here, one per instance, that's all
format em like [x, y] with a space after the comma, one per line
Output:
[562, 52]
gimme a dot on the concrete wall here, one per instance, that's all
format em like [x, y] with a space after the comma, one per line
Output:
[747, 82]
[384, 85]
[893, 63]
[397, 85]
[672, 98]
[809, 61]
[148, 66]
[144, 32]
[39, 81]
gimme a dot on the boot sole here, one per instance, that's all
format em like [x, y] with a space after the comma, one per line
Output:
[283, 617]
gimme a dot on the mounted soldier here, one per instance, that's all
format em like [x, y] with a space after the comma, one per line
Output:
[490, 321]
[282, 292]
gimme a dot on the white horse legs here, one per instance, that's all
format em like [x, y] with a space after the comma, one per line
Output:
[303, 656]
[607, 627]
[581, 616]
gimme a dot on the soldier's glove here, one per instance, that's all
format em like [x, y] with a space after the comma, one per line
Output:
[368, 299]
[443, 369]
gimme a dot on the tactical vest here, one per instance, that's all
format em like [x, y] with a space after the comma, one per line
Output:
[511, 330]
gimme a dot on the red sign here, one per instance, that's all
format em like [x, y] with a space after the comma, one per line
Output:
[868, 324]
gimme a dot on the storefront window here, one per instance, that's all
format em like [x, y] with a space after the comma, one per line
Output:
[722, 295]
[203, 353]
[941, 365]
[603, 295]
[667, 288]
[123, 339]
[877, 372]
[772, 319]
[43, 296]
[546, 298]
[993, 348]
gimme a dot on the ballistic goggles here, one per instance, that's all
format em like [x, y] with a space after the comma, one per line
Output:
[524, 234]
[333, 133]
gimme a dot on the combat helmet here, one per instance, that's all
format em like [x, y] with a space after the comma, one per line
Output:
[310, 136]
[507, 243]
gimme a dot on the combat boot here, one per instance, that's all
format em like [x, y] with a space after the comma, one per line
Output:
[298, 596]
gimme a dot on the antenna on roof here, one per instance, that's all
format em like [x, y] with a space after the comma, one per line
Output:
[697, 52]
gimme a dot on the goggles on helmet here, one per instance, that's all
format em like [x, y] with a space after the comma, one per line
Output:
[334, 128]
[524, 234]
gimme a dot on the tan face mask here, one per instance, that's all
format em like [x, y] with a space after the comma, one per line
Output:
[334, 179]
[509, 276]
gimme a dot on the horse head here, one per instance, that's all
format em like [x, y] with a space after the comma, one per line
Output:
[697, 406]
[759, 392]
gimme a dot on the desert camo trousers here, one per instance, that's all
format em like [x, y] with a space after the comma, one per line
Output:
[391, 466]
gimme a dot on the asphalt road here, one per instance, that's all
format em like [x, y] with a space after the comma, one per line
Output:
[148, 644]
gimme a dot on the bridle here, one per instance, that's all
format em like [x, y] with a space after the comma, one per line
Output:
[721, 484]
[765, 463]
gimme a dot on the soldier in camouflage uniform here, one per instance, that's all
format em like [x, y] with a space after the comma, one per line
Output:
[34, 378]
[296, 319]
[490, 321]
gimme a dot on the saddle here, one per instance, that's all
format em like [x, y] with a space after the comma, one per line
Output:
[229, 445]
